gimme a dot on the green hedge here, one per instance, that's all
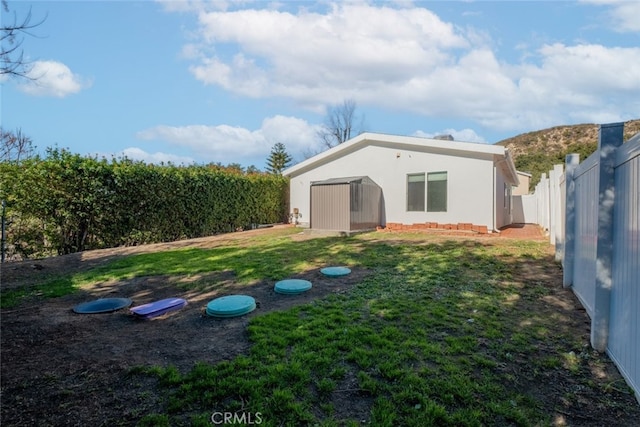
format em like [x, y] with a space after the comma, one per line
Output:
[68, 203]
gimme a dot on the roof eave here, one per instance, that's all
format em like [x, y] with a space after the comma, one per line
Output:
[392, 140]
[511, 168]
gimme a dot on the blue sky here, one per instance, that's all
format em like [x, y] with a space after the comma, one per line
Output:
[223, 81]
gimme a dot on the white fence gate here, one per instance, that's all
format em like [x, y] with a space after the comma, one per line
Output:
[592, 213]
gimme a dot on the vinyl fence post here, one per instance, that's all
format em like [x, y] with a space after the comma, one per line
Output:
[557, 213]
[3, 220]
[572, 161]
[610, 138]
[553, 180]
[547, 201]
[543, 207]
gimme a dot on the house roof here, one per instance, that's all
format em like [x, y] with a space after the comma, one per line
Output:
[500, 154]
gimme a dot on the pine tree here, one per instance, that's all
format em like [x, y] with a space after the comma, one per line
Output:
[278, 159]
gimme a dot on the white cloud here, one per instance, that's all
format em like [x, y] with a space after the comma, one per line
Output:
[192, 5]
[599, 67]
[229, 144]
[319, 56]
[409, 59]
[464, 135]
[582, 82]
[626, 14]
[52, 78]
[623, 13]
[561, 84]
[135, 153]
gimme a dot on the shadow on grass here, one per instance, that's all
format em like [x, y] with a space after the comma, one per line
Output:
[272, 259]
[458, 332]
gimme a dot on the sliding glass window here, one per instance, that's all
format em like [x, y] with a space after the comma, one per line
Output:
[437, 192]
[415, 192]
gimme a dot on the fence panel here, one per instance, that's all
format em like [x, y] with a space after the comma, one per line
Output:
[586, 232]
[598, 242]
[525, 209]
[624, 327]
[560, 234]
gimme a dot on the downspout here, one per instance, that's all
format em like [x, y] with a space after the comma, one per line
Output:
[494, 228]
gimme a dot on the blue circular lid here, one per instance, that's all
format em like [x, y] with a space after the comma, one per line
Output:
[102, 305]
[231, 306]
[292, 286]
[335, 271]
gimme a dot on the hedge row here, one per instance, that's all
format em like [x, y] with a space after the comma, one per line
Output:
[68, 203]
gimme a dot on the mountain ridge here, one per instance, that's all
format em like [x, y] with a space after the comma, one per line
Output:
[536, 152]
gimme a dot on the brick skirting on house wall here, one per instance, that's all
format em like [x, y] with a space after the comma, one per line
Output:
[465, 227]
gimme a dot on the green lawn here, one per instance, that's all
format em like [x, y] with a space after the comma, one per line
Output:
[440, 332]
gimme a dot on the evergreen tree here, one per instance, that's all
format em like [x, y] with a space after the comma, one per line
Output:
[278, 159]
[252, 170]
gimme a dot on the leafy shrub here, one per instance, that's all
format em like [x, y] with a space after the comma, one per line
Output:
[66, 203]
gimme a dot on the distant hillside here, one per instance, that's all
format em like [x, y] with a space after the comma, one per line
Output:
[537, 152]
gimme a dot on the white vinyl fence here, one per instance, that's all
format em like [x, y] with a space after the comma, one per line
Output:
[592, 214]
[525, 209]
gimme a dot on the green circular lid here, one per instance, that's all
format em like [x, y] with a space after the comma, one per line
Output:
[231, 306]
[335, 271]
[292, 286]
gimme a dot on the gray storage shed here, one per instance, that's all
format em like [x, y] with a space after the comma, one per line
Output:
[346, 204]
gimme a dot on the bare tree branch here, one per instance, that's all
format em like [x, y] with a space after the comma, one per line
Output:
[339, 124]
[12, 60]
[15, 146]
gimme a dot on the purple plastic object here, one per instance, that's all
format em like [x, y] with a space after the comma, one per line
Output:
[158, 308]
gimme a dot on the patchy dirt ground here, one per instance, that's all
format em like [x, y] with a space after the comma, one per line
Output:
[62, 368]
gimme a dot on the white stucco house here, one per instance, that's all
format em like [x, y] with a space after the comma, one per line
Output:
[412, 180]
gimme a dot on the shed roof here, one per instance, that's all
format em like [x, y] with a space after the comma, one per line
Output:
[345, 180]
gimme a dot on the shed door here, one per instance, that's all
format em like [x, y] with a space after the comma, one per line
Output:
[330, 207]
